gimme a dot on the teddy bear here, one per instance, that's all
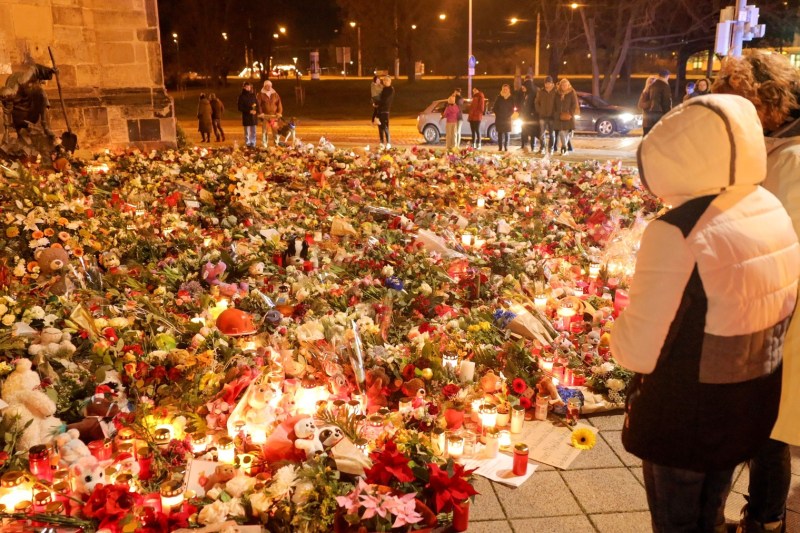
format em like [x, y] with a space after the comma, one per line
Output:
[70, 447]
[26, 402]
[52, 342]
[211, 274]
[53, 265]
[413, 388]
[322, 438]
[280, 445]
[296, 252]
[221, 475]
[87, 473]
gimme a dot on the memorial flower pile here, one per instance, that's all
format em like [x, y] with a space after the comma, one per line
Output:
[287, 338]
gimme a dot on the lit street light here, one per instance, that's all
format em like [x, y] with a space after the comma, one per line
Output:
[275, 35]
[225, 36]
[514, 20]
[282, 29]
[358, 33]
[413, 26]
[442, 16]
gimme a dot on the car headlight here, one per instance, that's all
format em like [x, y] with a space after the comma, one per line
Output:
[626, 117]
[516, 126]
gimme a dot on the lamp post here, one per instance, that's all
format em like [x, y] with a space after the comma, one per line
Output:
[178, 60]
[358, 44]
[470, 59]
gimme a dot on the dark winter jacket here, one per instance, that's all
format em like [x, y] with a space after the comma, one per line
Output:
[247, 103]
[387, 97]
[546, 103]
[655, 102]
[527, 110]
[217, 109]
[503, 109]
[204, 115]
[565, 103]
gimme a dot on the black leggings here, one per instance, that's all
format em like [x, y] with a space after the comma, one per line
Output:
[475, 128]
[503, 138]
[383, 127]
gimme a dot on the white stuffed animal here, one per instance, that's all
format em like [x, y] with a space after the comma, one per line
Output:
[71, 447]
[26, 402]
[52, 342]
[87, 473]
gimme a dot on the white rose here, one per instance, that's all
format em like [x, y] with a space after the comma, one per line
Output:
[36, 312]
[216, 513]
[607, 367]
[100, 323]
[615, 384]
[8, 319]
[387, 271]
[118, 322]
[425, 289]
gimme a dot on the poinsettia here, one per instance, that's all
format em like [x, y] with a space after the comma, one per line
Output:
[389, 465]
[447, 491]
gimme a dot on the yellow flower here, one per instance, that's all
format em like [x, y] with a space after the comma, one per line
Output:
[583, 438]
[12, 231]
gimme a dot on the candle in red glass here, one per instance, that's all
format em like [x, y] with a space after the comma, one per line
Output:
[39, 462]
[145, 465]
[153, 501]
[100, 449]
[461, 516]
[520, 465]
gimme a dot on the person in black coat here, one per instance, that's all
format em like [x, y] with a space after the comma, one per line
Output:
[248, 107]
[384, 107]
[503, 109]
[527, 112]
[655, 101]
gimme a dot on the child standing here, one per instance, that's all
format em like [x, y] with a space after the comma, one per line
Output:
[451, 115]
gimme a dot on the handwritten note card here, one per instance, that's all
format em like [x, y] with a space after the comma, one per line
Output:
[550, 443]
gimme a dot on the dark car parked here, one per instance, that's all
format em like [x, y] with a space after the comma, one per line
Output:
[603, 118]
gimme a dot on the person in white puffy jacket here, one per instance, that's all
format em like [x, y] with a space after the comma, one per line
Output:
[769, 81]
[714, 290]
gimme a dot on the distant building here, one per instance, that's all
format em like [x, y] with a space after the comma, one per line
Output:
[109, 56]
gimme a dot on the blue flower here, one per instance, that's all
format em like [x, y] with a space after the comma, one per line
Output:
[395, 283]
[503, 318]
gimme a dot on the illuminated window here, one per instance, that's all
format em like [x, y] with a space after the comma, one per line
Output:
[795, 59]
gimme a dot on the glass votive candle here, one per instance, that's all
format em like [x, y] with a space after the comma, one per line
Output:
[455, 446]
[594, 270]
[162, 436]
[55, 508]
[246, 462]
[39, 462]
[488, 416]
[540, 301]
[573, 410]
[475, 414]
[145, 458]
[504, 439]
[481, 203]
[171, 496]
[226, 451]
[546, 363]
[466, 239]
[438, 441]
[503, 416]
[354, 407]
[517, 418]
[450, 361]
[338, 405]
[363, 446]
[199, 442]
[101, 449]
[470, 443]
[492, 443]
[405, 405]
[41, 497]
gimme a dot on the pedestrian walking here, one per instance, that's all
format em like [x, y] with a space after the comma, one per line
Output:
[527, 112]
[503, 109]
[460, 105]
[450, 114]
[204, 118]
[545, 108]
[769, 81]
[384, 108]
[477, 108]
[566, 107]
[270, 110]
[248, 107]
[217, 110]
[708, 380]
[656, 100]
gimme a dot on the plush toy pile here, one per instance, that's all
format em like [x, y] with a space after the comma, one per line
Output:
[296, 326]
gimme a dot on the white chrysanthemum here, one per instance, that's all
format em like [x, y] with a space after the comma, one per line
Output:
[36, 312]
[215, 513]
[425, 289]
[302, 492]
[615, 384]
[8, 319]
[285, 479]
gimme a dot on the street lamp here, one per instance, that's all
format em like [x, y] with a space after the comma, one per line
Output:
[513, 20]
[413, 26]
[358, 34]
[282, 29]
[225, 36]
[442, 16]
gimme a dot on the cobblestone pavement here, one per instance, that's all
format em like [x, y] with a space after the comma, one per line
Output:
[359, 134]
[603, 490]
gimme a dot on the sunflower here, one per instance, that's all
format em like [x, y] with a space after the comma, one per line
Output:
[583, 438]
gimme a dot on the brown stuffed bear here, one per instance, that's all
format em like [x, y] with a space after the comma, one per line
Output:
[221, 475]
[53, 264]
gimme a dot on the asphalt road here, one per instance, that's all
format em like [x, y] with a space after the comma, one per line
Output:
[358, 134]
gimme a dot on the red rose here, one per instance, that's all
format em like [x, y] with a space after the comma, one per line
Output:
[519, 385]
[450, 390]
[409, 372]
[525, 402]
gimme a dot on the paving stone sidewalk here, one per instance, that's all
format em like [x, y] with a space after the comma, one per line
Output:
[603, 491]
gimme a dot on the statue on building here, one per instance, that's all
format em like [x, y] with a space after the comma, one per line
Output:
[25, 112]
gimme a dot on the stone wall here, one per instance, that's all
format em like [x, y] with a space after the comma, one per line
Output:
[109, 57]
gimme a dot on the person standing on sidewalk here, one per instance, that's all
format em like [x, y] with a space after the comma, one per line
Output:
[546, 108]
[204, 118]
[769, 81]
[217, 110]
[477, 107]
[503, 110]
[248, 107]
[450, 114]
[270, 109]
[712, 296]
[384, 108]
[656, 100]
[527, 112]
[566, 107]
[460, 104]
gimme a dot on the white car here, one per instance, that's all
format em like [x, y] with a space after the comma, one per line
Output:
[432, 126]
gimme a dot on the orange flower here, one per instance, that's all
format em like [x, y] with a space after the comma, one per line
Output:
[12, 231]
[56, 245]
[62, 221]
[32, 265]
[77, 251]
[37, 234]
[63, 235]
[49, 232]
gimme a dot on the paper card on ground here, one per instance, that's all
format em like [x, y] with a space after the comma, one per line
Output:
[549, 443]
[499, 469]
[198, 471]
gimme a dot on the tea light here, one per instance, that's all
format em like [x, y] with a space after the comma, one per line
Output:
[438, 442]
[517, 418]
[546, 363]
[405, 405]
[455, 446]
[466, 372]
[41, 497]
[504, 439]
[450, 361]
[171, 495]
[492, 444]
[199, 442]
[15, 487]
[540, 301]
[594, 270]
[226, 452]
[363, 445]
[475, 415]
[488, 416]
[466, 239]
[501, 193]
[353, 408]
[481, 203]
[162, 436]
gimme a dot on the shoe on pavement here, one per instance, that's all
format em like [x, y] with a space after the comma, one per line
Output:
[388, 146]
